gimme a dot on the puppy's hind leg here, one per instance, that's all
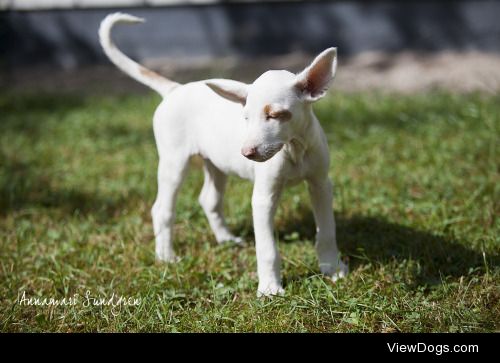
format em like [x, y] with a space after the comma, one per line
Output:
[211, 200]
[171, 172]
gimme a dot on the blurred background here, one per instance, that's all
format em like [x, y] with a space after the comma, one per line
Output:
[404, 46]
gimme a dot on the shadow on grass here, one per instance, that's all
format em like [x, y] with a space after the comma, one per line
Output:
[373, 240]
[23, 187]
[21, 103]
[366, 240]
[27, 180]
[25, 113]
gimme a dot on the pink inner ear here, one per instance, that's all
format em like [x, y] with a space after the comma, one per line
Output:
[317, 77]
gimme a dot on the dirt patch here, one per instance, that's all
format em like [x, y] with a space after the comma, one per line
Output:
[411, 72]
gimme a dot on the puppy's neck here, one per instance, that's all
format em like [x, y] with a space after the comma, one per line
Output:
[297, 147]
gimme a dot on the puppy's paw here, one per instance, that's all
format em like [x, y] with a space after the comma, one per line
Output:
[231, 239]
[167, 258]
[270, 290]
[341, 272]
[237, 240]
[335, 272]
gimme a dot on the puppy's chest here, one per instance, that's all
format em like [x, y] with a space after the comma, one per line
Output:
[300, 168]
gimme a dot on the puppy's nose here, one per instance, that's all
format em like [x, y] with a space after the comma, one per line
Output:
[249, 152]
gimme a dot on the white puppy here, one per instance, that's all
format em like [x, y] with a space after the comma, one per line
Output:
[265, 132]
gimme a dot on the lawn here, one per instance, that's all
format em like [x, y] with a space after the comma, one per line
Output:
[416, 199]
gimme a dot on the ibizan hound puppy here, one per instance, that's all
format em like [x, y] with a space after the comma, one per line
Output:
[265, 132]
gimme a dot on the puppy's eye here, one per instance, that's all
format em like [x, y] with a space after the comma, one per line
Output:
[280, 116]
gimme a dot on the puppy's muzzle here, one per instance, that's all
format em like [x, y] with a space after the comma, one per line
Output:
[266, 152]
[249, 152]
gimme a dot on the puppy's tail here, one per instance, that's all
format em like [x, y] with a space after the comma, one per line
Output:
[151, 79]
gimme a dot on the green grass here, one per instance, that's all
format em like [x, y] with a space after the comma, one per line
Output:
[416, 200]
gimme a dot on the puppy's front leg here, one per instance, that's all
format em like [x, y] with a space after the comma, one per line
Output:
[321, 194]
[264, 202]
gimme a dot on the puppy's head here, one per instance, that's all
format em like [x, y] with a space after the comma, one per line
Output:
[274, 105]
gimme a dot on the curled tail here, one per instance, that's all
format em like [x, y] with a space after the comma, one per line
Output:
[151, 79]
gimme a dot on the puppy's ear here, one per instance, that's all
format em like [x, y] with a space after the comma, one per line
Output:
[232, 90]
[314, 81]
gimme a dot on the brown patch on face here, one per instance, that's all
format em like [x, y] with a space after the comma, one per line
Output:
[281, 115]
[267, 110]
